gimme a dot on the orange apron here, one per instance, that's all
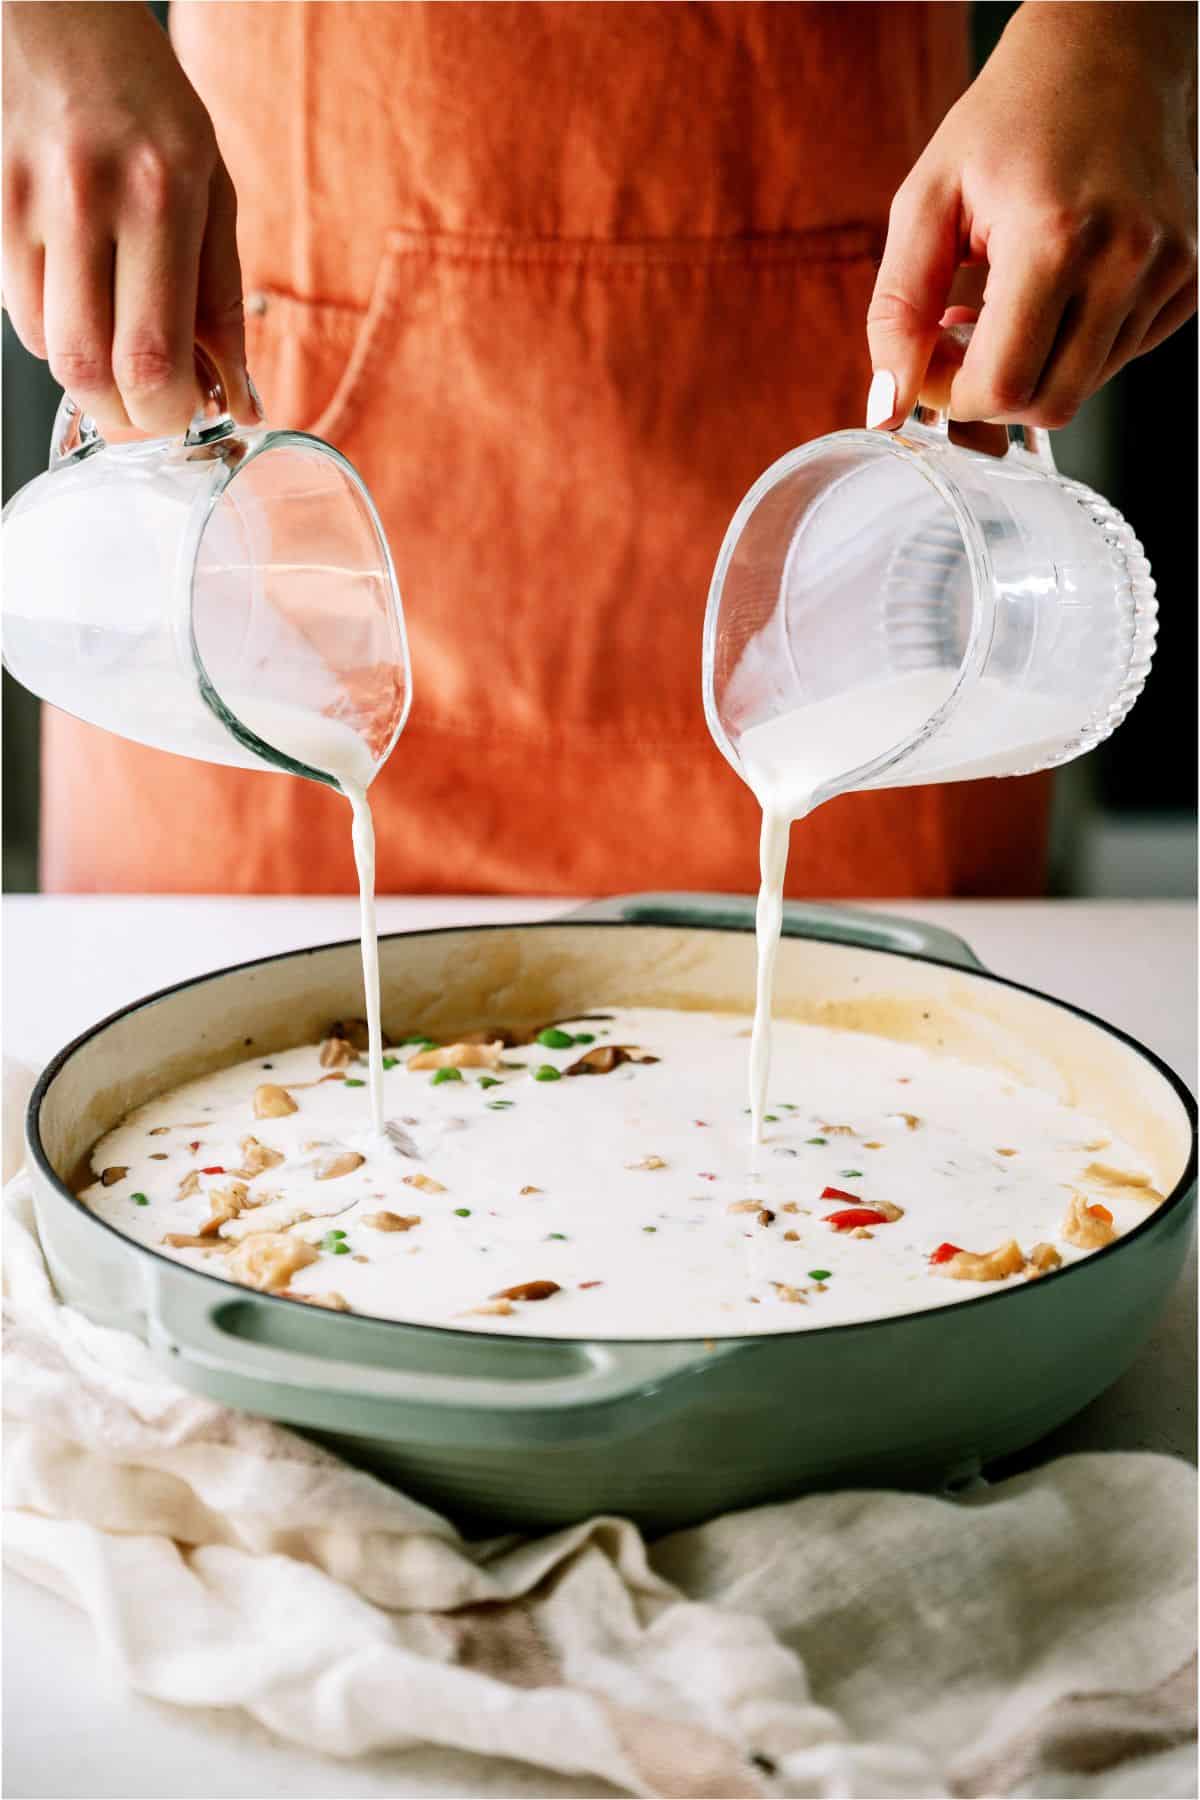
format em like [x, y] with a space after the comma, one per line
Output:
[561, 280]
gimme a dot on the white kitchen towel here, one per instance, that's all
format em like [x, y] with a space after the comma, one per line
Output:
[1033, 1638]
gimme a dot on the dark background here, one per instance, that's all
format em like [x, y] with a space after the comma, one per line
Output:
[1125, 819]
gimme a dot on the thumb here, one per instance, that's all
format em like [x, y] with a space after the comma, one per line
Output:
[912, 289]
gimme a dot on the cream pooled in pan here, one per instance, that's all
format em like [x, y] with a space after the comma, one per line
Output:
[598, 1181]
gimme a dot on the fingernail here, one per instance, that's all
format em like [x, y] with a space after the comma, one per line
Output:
[255, 396]
[881, 399]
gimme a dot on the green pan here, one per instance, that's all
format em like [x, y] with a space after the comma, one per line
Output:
[529, 1432]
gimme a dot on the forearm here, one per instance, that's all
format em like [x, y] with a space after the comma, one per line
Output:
[1123, 37]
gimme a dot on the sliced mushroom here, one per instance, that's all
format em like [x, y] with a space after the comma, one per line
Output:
[425, 1183]
[272, 1101]
[110, 1176]
[336, 1053]
[604, 1058]
[1042, 1258]
[390, 1221]
[458, 1056]
[528, 1290]
[400, 1140]
[330, 1168]
[182, 1240]
[648, 1162]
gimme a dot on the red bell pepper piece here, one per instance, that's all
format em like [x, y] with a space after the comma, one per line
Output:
[943, 1253]
[850, 1216]
[215, 1170]
[832, 1193]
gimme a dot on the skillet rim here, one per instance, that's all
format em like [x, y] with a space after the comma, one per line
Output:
[234, 1292]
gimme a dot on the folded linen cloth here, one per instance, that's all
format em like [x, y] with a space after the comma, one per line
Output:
[1032, 1638]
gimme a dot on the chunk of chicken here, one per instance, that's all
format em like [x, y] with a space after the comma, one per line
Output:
[986, 1265]
[1087, 1225]
[267, 1260]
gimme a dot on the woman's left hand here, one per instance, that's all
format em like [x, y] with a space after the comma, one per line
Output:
[1068, 168]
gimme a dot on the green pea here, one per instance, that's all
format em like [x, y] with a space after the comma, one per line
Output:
[440, 1075]
[487, 1081]
[353, 1081]
[816, 1140]
[585, 1037]
[850, 1173]
[139, 1199]
[337, 1234]
[818, 1274]
[771, 1118]
[649, 1227]
[554, 1039]
[419, 1038]
[389, 1062]
[547, 1072]
[340, 1249]
[561, 1236]
[498, 1105]
[462, 1212]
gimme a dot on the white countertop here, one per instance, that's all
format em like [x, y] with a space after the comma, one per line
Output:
[69, 961]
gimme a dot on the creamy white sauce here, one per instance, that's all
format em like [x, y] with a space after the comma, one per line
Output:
[670, 1251]
[336, 749]
[797, 759]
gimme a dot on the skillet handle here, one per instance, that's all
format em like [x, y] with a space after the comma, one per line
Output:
[307, 1366]
[801, 918]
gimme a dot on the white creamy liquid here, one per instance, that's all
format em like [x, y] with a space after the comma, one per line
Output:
[338, 750]
[629, 1191]
[790, 760]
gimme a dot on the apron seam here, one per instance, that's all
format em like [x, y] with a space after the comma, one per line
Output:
[818, 245]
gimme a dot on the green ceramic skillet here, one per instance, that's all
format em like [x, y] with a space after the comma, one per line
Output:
[539, 1432]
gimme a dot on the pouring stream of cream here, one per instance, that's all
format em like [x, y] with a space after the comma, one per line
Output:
[791, 759]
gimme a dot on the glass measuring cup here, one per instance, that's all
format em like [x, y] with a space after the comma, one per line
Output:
[228, 596]
[889, 609]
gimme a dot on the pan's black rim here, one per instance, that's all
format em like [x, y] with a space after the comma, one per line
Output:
[232, 1292]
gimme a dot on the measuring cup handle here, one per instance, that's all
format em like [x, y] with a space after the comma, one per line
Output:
[1030, 440]
[75, 434]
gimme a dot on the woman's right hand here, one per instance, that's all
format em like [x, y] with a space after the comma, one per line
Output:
[120, 248]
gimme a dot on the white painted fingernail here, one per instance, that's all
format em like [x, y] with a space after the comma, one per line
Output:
[255, 397]
[881, 399]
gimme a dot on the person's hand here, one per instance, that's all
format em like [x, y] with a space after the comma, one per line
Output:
[120, 250]
[1068, 169]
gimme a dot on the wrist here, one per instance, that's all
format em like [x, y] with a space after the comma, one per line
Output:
[1158, 37]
